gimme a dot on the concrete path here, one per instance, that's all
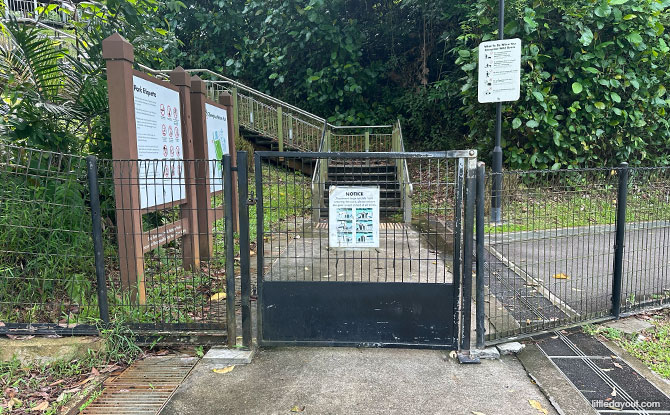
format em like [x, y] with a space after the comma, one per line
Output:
[359, 381]
[403, 255]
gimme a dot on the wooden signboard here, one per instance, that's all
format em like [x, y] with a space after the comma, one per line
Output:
[213, 137]
[151, 131]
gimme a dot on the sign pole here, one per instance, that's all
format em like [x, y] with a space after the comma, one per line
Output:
[496, 191]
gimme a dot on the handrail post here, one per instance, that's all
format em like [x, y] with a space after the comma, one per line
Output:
[280, 129]
[617, 277]
[236, 115]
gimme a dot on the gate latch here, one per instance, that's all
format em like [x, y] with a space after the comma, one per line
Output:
[252, 200]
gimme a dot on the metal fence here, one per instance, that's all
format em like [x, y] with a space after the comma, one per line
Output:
[46, 251]
[557, 258]
[574, 246]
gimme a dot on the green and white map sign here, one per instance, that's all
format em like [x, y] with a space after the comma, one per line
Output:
[353, 217]
[217, 144]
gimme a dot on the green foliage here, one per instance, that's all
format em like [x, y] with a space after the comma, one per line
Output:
[53, 89]
[45, 247]
[594, 77]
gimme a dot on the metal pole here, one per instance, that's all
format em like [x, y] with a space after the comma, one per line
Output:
[231, 319]
[622, 194]
[260, 247]
[243, 186]
[496, 191]
[92, 170]
[468, 239]
[479, 232]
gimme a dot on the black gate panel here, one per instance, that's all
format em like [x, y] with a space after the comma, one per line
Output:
[358, 313]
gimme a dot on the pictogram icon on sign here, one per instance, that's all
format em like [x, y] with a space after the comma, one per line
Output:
[165, 151]
[164, 129]
[162, 110]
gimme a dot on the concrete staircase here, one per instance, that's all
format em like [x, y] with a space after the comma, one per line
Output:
[382, 173]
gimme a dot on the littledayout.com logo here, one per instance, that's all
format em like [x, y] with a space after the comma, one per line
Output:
[623, 405]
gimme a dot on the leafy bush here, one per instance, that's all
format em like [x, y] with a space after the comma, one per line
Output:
[46, 249]
[594, 78]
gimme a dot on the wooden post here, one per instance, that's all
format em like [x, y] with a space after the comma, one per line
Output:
[190, 251]
[236, 116]
[119, 57]
[367, 140]
[202, 157]
[228, 101]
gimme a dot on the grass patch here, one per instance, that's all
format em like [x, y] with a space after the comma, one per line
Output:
[652, 346]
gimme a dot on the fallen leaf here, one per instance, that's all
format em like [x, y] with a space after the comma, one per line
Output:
[613, 392]
[617, 365]
[42, 406]
[224, 369]
[95, 372]
[14, 402]
[478, 413]
[58, 382]
[85, 381]
[297, 408]
[218, 297]
[453, 354]
[537, 405]
[73, 390]
[561, 276]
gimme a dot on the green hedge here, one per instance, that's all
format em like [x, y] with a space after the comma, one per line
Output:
[593, 82]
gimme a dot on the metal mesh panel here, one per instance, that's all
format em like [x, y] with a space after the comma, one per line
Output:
[46, 253]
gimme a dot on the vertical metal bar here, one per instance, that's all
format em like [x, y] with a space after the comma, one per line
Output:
[468, 245]
[231, 319]
[620, 239]
[92, 170]
[260, 248]
[243, 186]
[496, 192]
[479, 232]
[458, 209]
[367, 141]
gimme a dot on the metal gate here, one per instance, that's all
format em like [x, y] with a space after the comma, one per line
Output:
[371, 249]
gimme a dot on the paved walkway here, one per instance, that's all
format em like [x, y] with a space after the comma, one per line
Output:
[403, 256]
[359, 381]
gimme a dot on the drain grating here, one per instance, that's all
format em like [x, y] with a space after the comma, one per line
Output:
[144, 387]
[607, 382]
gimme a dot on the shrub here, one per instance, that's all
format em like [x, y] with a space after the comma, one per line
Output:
[593, 82]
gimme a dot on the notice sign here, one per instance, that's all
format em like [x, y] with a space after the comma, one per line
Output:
[353, 217]
[217, 144]
[158, 126]
[499, 71]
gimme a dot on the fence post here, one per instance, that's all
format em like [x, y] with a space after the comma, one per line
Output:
[92, 172]
[468, 239]
[367, 141]
[236, 115]
[243, 185]
[280, 129]
[479, 256]
[260, 247]
[619, 242]
[231, 318]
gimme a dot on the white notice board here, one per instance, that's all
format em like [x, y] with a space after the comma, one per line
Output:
[159, 141]
[353, 217]
[217, 144]
[499, 71]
